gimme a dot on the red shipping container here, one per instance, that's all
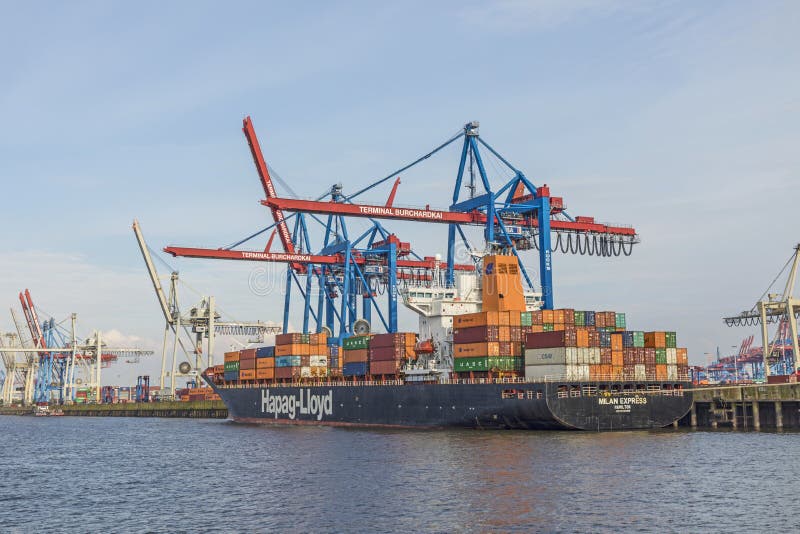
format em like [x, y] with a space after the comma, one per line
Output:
[547, 340]
[283, 372]
[650, 356]
[247, 354]
[378, 354]
[605, 356]
[247, 364]
[390, 367]
[288, 339]
[360, 355]
[391, 340]
[476, 334]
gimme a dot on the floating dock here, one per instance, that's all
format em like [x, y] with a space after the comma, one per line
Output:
[750, 407]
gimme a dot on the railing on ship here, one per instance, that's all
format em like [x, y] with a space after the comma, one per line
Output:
[574, 387]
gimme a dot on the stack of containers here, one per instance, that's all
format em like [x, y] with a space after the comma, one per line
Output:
[388, 352]
[265, 363]
[488, 341]
[334, 361]
[355, 356]
[247, 364]
[316, 364]
[289, 352]
[231, 366]
[596, 346]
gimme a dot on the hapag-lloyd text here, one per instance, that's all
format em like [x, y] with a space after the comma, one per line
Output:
[304, 403]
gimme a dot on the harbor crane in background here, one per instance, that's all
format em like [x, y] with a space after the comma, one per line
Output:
[780, 308]
[204, 320]
[49, 365]
[515, 217]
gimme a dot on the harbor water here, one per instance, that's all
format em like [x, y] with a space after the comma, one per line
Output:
[71, 474]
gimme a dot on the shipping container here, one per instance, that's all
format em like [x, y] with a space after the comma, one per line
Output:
[545, 371]
[525, 319]
[616, 341]
[605, 339]
[231, 357]
[569, 316]
[461, 365]
[655, 340]
[620, 321]
[318, 361]
[487, 318]
[231, 367]
[247, 374]
[355, 368]
[547, 356]
[605, 355]
[284, 372]
[265, 373]
[265, 363]
[544, 340]
[294, 349]
[682, 356]
[386, 367]
[359, 355]
[476, 334]
[392, 340]
[661, 371]
[661, 356]
[291, 338]
[390, 353]
[247, 354]
[474, 350]
[672, 356]
[320, 338]
[356, 343]
[287, 361]
[670, 340]
[246, 365]
[265, 352]
[589, 318]
[505, 363]
[536, 317]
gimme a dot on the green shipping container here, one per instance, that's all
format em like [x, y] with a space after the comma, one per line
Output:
[672, 340]
[547, 327]
[471, 364]
[231, 366]
[661, 355]
[505, 363]
[580, 318]
[525, 319]
[620, 320]
[638, 338]
[355, 343]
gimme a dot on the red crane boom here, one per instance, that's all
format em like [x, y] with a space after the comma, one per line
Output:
[269, 189]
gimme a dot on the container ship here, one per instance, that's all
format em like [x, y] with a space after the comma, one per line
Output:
[485, 356]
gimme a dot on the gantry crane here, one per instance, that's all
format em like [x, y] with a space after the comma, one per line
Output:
[517, 216]
[204, 320]
[775, 308]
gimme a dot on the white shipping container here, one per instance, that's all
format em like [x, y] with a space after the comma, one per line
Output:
[554, 356]
[672, 371]
[318, 361]
[305, 372]
[572, 355]
[594, 356]
[640, 371]
[542, 371]
[672, 356]
[583, 356]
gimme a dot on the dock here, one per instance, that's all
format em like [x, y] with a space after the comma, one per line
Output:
[192, 409]
[751, 407]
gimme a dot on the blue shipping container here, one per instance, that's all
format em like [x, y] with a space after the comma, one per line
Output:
[605, 339]
[589, 318]
[265, 352]
[231, 375]
[627, 339]
[287, 361]
[354, 369]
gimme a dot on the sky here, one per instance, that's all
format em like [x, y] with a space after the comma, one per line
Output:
[678, 118]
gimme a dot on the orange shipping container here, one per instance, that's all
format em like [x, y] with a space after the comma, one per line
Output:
[514, 318]
[656, 340]
[476, 350]
[559, 327]
[617, 358]
[295, 349]
[682, 357]
[248, 374]
[265, 363]
[360, 355]
[606, 371]
[616, 341]
[569, 316]
[231, 356]
[582, 337]
[504, 333]
[617, 372]
[559, 316]
[536, 328]
[661, 371]
[547, 316]
[265, 374]
[219, 369]
[488, 318]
